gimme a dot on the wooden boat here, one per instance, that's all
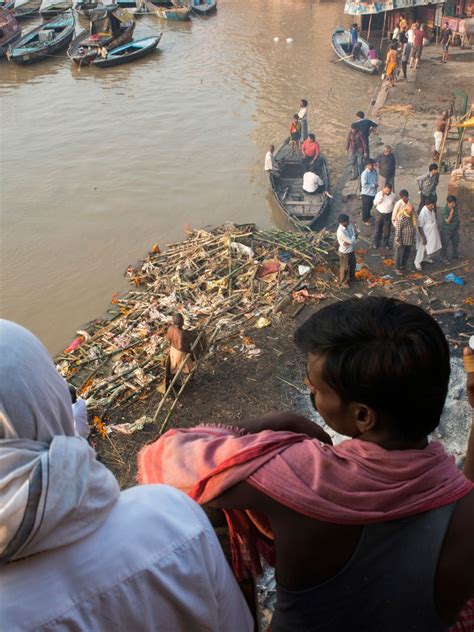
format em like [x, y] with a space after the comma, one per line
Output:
[203, 7]
[44, 41]
[341, 43]
[7, 4]
[26, 8]
[136, 49]
[84, 8]
[10, 31]
[110, 27]
[301, 209]
[56, 8]
[175, 13]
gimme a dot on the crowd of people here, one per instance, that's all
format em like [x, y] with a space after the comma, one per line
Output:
[427, 230]
[406, 47]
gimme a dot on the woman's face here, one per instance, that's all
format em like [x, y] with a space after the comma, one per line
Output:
[336, 413]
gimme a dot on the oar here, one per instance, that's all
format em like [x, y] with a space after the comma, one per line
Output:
[342, 58]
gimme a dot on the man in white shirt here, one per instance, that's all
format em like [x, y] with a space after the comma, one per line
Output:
[384, 202]
[312, 183]
[346, 237]
[271, 166]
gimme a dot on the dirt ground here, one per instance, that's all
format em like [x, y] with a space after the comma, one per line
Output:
[230, 385]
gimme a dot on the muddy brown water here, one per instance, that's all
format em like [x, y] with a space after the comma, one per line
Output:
[97, 165]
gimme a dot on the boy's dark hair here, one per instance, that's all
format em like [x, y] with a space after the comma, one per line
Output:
[360, 114]
[389, 355]
[312, 136]
[433, 166]
[404, 193]
[72, 393]
[304, 102]
[451, 198]
[355, 126]
[343, 217]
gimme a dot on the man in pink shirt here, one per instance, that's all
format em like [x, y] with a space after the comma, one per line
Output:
[418, 37]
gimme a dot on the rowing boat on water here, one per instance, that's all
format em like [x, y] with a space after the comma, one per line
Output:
[342, 45]
[136, 49]
[26, 9]
[302, 209]
[54, 9]
[175, 13]
[44, 41]
[110, 27]
[203, 7]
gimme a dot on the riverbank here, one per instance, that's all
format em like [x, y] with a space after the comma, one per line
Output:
[257, 368]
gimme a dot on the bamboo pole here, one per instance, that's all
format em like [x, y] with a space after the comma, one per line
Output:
[383, 27]
[370, 26]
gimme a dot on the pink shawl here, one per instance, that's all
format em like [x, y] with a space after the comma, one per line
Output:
[353, 483]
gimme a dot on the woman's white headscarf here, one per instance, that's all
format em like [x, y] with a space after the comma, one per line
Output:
[53, 491]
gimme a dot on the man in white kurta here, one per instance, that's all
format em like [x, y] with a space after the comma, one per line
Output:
[428, 240]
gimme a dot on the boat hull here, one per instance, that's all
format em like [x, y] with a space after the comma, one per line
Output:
[115, 59]
[27, 9]
[53, 10]
[303, 211]
[87, 56]
[23, 53]
[341, 43]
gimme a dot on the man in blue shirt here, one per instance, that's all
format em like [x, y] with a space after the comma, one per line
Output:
[368, 189]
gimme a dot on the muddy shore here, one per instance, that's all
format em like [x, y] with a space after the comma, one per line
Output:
[230, 386]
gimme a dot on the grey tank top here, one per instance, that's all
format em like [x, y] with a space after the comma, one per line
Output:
[388, 584]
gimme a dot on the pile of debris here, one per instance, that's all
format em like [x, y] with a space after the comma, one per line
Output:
[224, 281]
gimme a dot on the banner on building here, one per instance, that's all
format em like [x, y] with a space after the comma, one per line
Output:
[368, 8]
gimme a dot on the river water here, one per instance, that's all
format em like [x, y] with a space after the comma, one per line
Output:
[97, 165]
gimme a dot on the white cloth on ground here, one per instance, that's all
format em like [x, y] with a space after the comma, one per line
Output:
[79, 412]
[384, 203]
[311, 181]
[346, 238]
[154, 564]
[427, 221]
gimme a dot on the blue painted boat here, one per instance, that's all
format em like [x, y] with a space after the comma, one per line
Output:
[136, 49]
[203, 7]
[7, 4]
[26, 8]
[175, 13]
[44, 41]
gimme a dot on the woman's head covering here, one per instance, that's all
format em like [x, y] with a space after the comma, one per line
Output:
[53, 491]
[34, 399]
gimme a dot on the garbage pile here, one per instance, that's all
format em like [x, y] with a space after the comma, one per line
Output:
[224, 281]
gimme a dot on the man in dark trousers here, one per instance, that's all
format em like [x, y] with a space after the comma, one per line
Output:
[387, 165]
[427, 185]
[366, 127]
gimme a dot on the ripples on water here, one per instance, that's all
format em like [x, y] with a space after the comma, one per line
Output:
[96, 165]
